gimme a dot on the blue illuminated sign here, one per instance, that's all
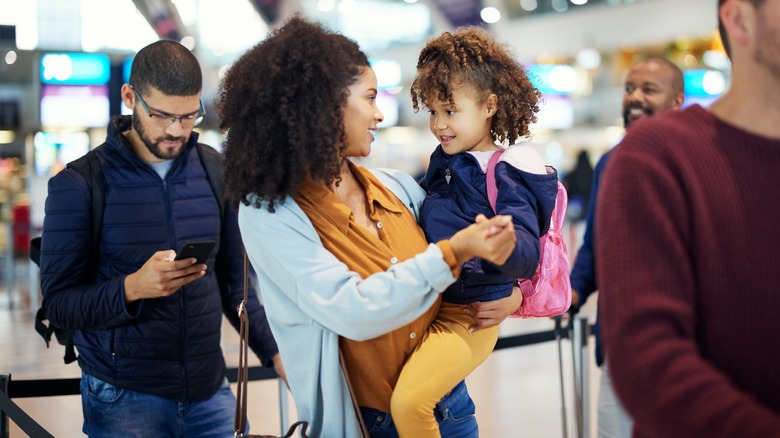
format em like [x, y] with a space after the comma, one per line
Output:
[553, 78]
[126, 67]
[704, 83]
[75, 68]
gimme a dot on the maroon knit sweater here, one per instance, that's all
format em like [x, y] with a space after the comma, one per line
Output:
[688, 257]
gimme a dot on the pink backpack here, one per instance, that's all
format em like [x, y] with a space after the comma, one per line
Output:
[548, 292]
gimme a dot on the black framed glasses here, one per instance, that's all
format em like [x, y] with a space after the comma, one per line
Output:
[163, 119]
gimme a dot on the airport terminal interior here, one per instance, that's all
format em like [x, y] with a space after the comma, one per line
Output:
[62, 63]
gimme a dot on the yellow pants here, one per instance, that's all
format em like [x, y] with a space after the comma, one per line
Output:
[445, 356]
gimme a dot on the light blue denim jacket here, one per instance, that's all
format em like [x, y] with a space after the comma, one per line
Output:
[311, 298]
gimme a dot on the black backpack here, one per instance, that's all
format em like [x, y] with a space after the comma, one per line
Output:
[89, 167]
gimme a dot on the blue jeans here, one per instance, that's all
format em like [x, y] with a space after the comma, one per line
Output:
[110, 411]
[455, 414]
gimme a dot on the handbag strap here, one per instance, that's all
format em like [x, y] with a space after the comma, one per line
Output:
[363, 428]
[239, 421]
[490, 178]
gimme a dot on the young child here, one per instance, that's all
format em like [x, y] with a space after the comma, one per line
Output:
[478, 97]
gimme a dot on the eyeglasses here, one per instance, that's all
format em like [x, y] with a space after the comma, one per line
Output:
[163, 120]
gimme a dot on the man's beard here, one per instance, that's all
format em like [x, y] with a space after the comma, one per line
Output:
[627, 110]
[154, 146]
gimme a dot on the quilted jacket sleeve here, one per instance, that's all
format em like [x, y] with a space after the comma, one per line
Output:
[73, 295]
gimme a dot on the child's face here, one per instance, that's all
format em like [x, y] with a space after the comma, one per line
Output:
[464, 126]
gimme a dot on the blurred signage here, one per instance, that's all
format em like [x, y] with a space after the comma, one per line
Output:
[553, 78]
[74, 106]
[75, 68]
[704, 83]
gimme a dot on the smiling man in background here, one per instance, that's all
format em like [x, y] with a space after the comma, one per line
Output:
[652, 85]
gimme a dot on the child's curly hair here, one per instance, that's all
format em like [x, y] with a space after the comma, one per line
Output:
[471, 56]
[282, 107]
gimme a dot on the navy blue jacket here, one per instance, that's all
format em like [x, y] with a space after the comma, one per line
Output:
[583, 274]
[450, 207]
[165, 346]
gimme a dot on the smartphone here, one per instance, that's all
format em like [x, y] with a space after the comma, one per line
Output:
[199, 250]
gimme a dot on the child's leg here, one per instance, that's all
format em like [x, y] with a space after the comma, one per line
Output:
[445, 356]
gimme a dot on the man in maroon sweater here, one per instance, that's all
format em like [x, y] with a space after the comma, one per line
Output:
[688, 251]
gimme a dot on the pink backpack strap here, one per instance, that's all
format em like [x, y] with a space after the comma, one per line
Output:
[561, 200]
[490, 178]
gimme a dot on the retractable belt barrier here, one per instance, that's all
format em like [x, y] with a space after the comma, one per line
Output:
[54, 387]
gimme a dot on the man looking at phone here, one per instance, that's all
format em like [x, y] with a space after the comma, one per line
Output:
[147, 327]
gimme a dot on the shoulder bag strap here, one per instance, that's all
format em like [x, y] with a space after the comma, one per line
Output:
[239, 422]
[363, 428]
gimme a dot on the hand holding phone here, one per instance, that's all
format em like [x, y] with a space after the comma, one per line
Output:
[199, 250]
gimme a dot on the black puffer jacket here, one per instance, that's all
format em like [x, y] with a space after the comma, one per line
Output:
[166, 346]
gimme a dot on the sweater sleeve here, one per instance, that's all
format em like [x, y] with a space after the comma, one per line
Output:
[72, 297]
[649, 303]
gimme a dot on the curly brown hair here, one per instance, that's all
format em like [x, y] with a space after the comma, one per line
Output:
[471, 56]
[281, 105]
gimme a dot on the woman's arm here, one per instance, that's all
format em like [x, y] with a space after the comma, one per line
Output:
[296, 272]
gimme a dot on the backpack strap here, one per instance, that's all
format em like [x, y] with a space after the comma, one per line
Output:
[88, 166]
[212, 162]
[559, 212]
[490, 178]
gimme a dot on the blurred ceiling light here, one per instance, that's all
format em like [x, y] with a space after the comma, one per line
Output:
[714, 83]
[10, 57]
[529, 5]
[410, 1]
[187, 10]
[563, 78]
[690, 61]
[578, 2]
[326, 5]
[188, 42]
[560, 5]
[6, 137]
[716, 59]
[490, 15]
[589, 58]
[347, 7]
[395, 90]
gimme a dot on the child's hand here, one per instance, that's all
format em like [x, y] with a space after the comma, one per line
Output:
[490, 239]
[493, 230]
[489, 313]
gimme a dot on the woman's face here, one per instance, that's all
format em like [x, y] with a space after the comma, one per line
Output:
[361, 114]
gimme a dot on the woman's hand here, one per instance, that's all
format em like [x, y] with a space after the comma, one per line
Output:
[490, 239]
[489, 313]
